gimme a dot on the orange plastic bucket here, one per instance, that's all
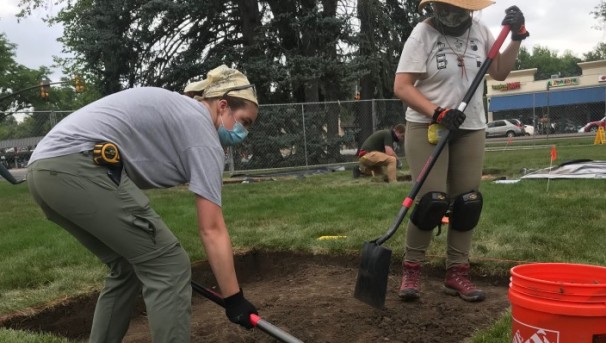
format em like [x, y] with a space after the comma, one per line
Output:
[558, 303]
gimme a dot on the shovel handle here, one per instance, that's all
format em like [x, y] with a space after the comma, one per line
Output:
[255, 320]
[273, 330]
[407, 203]
[8, 176]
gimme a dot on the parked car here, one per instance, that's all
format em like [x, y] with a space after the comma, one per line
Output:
[593, 126]
[566, 126]
[505, 128]
[528, 130]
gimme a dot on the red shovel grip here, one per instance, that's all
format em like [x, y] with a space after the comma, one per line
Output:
[499, 41]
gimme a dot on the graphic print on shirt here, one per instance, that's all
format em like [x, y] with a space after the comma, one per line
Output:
[473, 45]
[460, 49]
[441, 62]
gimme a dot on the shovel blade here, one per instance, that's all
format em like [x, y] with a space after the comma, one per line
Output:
[371, 284]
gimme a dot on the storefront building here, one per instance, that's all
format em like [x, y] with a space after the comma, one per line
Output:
[563, 104]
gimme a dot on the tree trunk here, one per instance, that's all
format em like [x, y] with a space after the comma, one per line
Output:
[367, 84]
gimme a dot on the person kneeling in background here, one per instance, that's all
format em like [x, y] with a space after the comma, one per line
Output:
[377, 156]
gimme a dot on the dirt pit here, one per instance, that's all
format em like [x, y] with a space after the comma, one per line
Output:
[311, 297]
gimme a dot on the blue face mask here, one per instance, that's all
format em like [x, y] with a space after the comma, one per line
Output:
[232, 137]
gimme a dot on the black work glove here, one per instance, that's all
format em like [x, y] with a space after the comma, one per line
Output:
[515, 19]
[449, 118]
[238, 309]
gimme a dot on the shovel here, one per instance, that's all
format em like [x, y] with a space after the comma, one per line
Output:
[371, 283]
[255, 320]
[8, 176]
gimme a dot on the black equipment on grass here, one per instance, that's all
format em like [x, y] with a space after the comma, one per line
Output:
[255, 320]
[371, 283]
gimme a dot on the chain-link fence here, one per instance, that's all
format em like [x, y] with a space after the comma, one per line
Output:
[284, 136]
[308, 134]
[21, 131]
[549, 119]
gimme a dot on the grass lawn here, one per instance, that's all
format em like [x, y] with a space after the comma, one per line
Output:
[520, 222]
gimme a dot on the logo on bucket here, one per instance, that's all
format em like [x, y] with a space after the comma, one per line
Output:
[525, 333]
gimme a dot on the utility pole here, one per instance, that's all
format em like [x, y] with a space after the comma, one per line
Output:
[548, 109]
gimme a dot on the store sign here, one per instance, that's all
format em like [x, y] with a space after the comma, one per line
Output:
[569, 81]
[602, 78]
[507, 86]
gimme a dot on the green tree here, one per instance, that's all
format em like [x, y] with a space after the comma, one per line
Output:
[548, 62]
[163, 43]
[293, 50]
[598, 53]
[599, 12]
[20, 92]
[14, 79]
[384, 27]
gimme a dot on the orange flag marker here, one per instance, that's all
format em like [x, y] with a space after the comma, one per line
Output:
[554, 153]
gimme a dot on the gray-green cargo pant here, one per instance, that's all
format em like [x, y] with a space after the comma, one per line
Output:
[116, 223]
[457, 170]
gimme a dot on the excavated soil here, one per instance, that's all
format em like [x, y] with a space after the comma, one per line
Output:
[311, 297]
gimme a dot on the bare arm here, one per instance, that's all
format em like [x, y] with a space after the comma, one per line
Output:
[217, 244]
[405, 90]
[389, 151]
[504, 62]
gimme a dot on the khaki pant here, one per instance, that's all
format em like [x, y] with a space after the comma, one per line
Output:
[457, 170]
[116, 223]
[375, 161]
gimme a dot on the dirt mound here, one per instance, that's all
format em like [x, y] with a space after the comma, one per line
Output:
[308, 296]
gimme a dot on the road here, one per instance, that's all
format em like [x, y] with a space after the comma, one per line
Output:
[540, 138]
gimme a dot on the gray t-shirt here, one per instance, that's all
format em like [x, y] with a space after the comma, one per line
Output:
[164, 138]
[443, 81]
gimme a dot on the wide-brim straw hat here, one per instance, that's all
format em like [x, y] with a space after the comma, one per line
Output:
[471, 5]
[221, 80]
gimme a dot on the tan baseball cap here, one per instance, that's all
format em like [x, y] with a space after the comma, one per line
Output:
[471, 5]
[223, 81]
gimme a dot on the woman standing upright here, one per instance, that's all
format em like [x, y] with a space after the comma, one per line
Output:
[439, 61]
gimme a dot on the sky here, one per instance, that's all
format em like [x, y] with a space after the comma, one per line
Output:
[556, 24]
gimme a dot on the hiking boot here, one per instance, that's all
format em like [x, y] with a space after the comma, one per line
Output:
[411, 281]
[457, 283]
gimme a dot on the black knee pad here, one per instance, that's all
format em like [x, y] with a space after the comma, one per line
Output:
[466, 211]
[429, 211]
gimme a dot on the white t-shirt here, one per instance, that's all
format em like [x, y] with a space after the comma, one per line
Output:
[443, 82]
[164, 138]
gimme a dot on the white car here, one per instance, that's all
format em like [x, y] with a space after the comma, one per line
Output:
[529, 129]
[504, 128]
